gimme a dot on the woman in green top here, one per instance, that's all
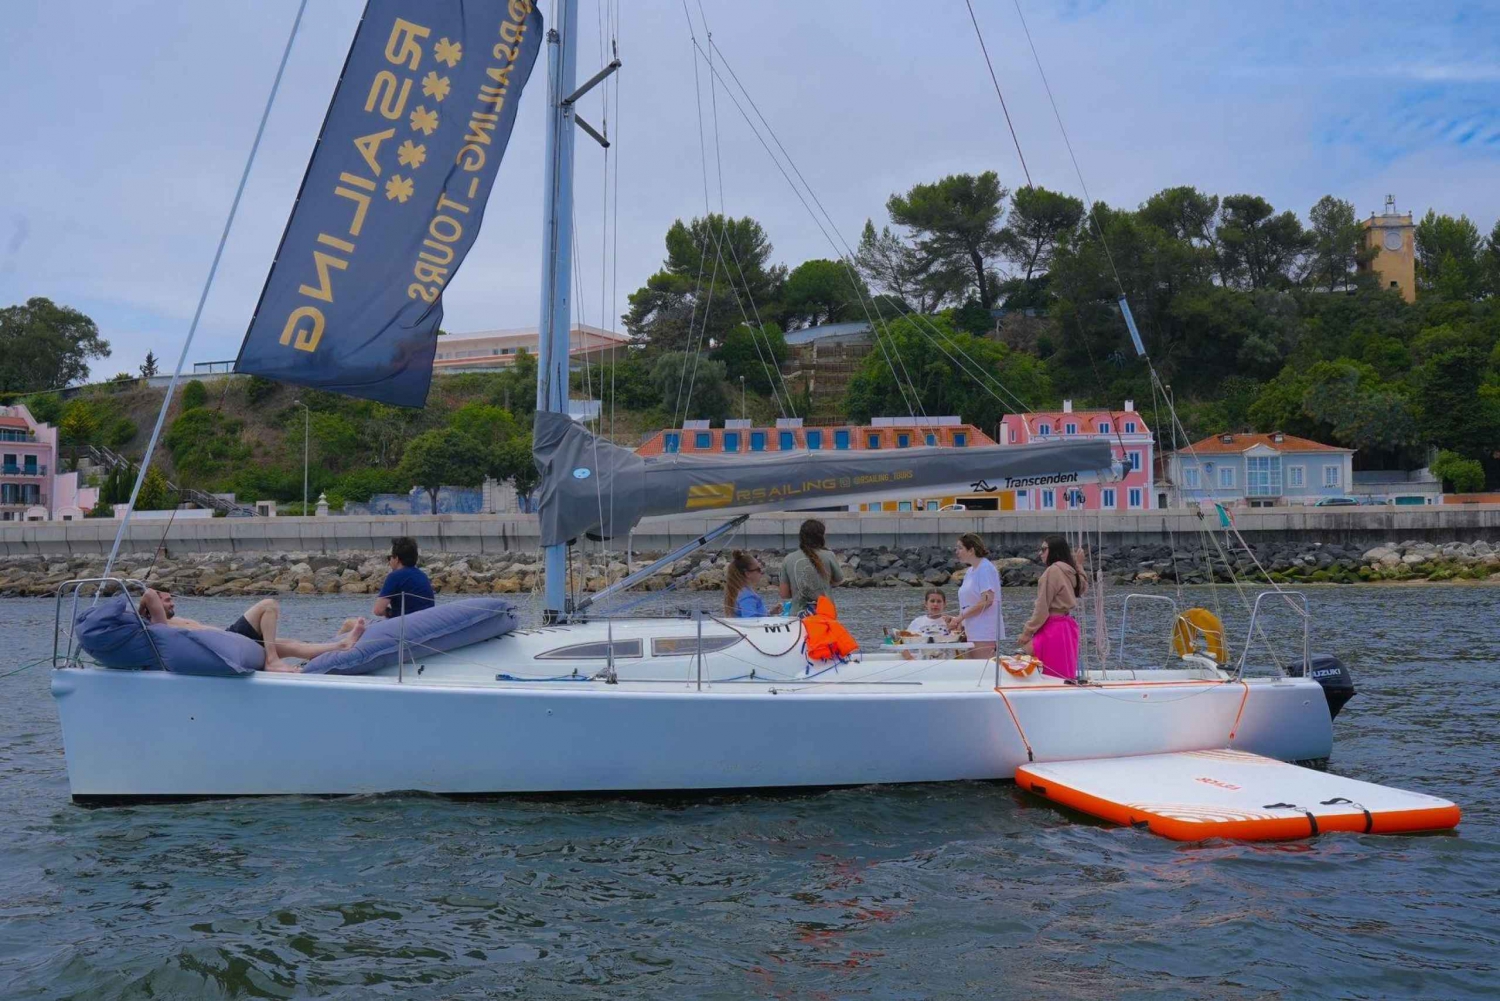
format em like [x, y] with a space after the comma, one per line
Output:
[811, 571]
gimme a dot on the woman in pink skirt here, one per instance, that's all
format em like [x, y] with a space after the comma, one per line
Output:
[1051, 634]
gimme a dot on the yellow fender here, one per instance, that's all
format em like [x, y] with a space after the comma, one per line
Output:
[1192, 624]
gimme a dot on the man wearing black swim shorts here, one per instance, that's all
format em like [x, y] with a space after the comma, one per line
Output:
[258, 624]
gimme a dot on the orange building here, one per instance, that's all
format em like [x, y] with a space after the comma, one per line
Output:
[1394, 240]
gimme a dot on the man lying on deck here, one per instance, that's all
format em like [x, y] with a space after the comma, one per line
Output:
[258, 623]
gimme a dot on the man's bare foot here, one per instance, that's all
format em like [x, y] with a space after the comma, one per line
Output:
[280, 666]
[354, 633]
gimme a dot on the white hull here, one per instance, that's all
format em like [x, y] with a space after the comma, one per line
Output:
[456, 729]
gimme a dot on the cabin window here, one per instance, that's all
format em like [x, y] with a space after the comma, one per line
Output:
[814, 440]
[841, 439]
[786, 441]
[731, 441]
[872, 441]
[687, 646]
[757, 441]
[1104, 427]
[1070, 429]
[931, 439]
[703, 440]
[672, 443]
[903, 506]
[903, 441]
[1130, 427]
[1044, 429]
[960, 439]
[593, 651]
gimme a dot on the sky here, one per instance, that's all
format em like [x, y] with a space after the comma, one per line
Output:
[126, 128]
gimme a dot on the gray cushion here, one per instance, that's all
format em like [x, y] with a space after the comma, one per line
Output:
[432, 630]
[111, 633]
[209, 652]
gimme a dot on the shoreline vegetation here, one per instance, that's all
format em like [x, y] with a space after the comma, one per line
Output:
[289, 573]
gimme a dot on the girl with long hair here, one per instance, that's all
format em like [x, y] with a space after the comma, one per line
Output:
[740, 579]
[811, 571]
[1051, 634]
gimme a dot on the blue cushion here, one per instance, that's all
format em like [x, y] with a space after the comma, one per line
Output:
[111, 633]
[209, 652]
[432, 630]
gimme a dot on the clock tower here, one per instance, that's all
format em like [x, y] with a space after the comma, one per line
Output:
[1393, 238]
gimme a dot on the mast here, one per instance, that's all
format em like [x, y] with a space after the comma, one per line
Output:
[557, 258]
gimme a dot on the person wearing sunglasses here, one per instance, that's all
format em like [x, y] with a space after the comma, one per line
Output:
[744, 574]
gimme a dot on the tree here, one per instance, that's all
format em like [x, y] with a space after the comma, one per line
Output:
[205, 442]
[485, 423]
[443, 457]
[1337, 244]
[823, 291]
[154, 495]
[1492, 261]
[1184, 213]
[1464, 476]
[1452, 412]
[1449, 264]
[46, 346]
[958, 222]
[755, 356]
[717, 273]
[81, 422]
[511, 461]
[148, 367]
[516, 388]
[892, 265]
[691, 385]
[1039, 220]
[194, 394]
[1258, 248]
[943, 370]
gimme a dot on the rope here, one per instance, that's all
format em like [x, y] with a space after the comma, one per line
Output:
[26, 667]
[166, 402]
[980, 35]
[1016, 720]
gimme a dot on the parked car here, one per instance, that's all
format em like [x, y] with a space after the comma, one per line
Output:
[1336, 502]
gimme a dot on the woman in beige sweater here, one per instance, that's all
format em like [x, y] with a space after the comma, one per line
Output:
[1051, 634]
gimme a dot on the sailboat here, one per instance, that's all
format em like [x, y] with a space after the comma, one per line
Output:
[590, 703]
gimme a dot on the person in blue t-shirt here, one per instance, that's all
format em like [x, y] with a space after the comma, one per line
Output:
[406, 589]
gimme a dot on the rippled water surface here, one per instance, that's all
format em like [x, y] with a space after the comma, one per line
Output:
[970, 890]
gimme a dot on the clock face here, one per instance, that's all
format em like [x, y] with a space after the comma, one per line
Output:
[1393, 239]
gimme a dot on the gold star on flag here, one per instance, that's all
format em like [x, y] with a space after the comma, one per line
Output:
[410, 154]
[424, 121]
[434, 86]
[448, 53]
[398, 188]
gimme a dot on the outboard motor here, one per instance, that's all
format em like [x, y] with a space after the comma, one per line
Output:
[1338, 684]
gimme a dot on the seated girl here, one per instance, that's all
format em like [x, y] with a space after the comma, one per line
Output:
[740, 580]
[931, 623]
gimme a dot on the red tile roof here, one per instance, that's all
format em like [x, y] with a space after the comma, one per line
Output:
[14, 422]
[1237, 443]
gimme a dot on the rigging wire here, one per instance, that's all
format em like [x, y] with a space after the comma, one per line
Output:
[982, 48]
[203, 297]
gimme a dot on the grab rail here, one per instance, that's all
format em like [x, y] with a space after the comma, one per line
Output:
[1125, 616]
[1306, 629]
[123, 583]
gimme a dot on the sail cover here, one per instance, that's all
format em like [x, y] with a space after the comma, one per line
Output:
[589, 486]
[393, 197]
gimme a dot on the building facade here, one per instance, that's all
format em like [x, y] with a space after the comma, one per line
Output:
[31, 488]
[1130, 441]
[1258, 470]
[496, 350]
[1393, 237]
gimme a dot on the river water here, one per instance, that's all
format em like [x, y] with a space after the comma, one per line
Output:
[959, 890]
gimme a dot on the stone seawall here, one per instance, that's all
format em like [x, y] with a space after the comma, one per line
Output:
[259, 574]
[516, 536]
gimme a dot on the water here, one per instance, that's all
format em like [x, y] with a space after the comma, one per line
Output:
[962, 890]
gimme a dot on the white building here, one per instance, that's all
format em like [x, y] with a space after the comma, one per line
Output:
[496, 350]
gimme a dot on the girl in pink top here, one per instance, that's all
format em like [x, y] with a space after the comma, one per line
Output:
[1051, 634]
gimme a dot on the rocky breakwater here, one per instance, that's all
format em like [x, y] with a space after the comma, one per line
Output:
[260, 575]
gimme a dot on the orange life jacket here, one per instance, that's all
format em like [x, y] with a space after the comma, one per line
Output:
[827, 639]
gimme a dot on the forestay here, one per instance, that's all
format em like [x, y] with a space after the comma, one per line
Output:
[589, 486]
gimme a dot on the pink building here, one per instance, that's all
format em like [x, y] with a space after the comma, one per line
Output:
[31, 489]
[1130, 441]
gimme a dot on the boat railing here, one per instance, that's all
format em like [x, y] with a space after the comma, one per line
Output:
[1297, 602]
[75, 588]
[1125, 618]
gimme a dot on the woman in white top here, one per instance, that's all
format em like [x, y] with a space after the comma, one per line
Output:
[978, 597]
